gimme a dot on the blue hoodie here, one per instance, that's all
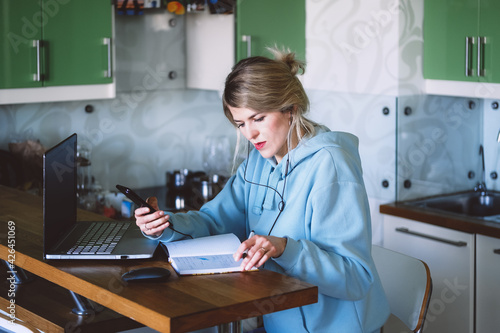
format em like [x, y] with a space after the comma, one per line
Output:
[326, 220]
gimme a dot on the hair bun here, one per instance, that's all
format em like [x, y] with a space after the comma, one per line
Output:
[288, 57]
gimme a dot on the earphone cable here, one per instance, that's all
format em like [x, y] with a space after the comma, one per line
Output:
[181, 233]
[257, 184]
[281, 204]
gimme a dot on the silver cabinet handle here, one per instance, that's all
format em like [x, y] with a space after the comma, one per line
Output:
[496, 251]
[107, 41]
[248, 40]
[481, 41]
[438, 239]
[38, 76]
[468, 56]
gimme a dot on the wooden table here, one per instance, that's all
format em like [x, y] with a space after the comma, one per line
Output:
[178, 305]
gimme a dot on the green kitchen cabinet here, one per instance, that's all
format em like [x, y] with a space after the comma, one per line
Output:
[263, 23]
[489, 29]
[55, 43]
[78, 39]
[461, 40]
[18, 38]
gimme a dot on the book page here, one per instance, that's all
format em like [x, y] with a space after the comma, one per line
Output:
[206, 264]
[210, 245]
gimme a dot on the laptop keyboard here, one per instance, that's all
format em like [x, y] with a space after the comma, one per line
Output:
[99, 238]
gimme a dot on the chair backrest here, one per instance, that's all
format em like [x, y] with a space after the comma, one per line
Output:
[407, 284]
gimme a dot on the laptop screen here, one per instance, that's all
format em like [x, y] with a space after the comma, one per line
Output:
[59, 191]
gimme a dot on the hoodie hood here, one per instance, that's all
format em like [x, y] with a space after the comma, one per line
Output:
[272, 175]
[308, 146]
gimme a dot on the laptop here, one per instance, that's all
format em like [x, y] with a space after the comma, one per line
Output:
[63, 236]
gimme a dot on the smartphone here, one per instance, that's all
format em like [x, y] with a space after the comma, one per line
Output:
[140, 202]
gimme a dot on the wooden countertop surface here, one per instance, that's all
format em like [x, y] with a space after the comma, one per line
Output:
[452, 221]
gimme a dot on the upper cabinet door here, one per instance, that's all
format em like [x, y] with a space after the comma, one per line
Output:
[20, 36]
[489, 28]
[77, 43]
[264, 23]
[461, 40]
[450, 39]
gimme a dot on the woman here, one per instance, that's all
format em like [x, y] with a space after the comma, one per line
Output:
[301, 191]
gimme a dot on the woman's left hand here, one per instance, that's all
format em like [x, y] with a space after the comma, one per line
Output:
[258, 249]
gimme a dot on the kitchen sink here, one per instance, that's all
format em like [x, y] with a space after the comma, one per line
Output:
[477, 204]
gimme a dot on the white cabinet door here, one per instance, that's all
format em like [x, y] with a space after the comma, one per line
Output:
[450, 257]
[365, 47]
[209, 50]
[487, 284]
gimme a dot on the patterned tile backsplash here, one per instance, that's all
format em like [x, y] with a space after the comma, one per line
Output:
[131, 145]
[137, 143]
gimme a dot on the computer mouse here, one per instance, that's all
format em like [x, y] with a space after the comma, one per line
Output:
[146, 274]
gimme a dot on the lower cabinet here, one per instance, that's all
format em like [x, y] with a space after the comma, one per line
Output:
[451, 260]
[487, 284]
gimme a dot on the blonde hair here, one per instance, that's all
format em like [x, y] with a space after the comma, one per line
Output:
[269, 85]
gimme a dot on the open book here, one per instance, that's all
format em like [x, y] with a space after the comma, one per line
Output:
[204, 255]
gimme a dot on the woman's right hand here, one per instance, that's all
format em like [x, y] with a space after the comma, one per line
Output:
[151, 224]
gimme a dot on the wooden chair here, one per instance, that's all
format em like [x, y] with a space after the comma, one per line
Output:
[407, 284]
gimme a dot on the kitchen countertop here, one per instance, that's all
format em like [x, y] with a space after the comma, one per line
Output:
[447, 220]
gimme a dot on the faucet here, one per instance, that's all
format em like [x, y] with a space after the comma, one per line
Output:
[481, 187]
